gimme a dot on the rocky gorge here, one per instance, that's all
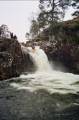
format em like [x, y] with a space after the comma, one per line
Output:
[45, 94]
[63, 51]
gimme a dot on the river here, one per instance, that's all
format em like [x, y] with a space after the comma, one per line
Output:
[42, 95]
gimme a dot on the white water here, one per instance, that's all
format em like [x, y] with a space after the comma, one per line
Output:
[40, 60]
[46, 78]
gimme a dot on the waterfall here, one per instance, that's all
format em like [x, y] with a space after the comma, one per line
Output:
[40, 59]
[46, 77]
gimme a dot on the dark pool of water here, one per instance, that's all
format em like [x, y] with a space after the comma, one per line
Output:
[39, 105]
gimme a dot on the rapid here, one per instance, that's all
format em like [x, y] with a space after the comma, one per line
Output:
[46, 77]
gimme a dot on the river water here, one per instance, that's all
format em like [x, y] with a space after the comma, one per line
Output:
[43, 95]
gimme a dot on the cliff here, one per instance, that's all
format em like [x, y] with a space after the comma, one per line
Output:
[13, 61]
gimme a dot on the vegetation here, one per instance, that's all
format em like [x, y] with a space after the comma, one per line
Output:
[34, 29]
[4, 31]
[50, 19]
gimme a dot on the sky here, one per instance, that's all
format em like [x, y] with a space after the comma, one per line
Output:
[17, 15]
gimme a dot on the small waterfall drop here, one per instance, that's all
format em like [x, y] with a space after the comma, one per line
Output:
[40, 59]
[46, 77]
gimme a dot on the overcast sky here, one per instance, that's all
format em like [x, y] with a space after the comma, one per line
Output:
[18, 14]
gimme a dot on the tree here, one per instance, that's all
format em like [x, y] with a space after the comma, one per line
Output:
[34, 28]
[75, 5]
[27, 36]
[4, 32]
[51, 12]
[54, 9]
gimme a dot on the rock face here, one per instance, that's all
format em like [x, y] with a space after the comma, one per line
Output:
[65, 55]
[12, 60]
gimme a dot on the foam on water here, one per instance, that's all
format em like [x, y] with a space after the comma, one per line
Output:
[46, 78]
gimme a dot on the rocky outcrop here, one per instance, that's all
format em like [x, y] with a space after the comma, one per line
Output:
[10, 58]
[13, 61]
[65, 55]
